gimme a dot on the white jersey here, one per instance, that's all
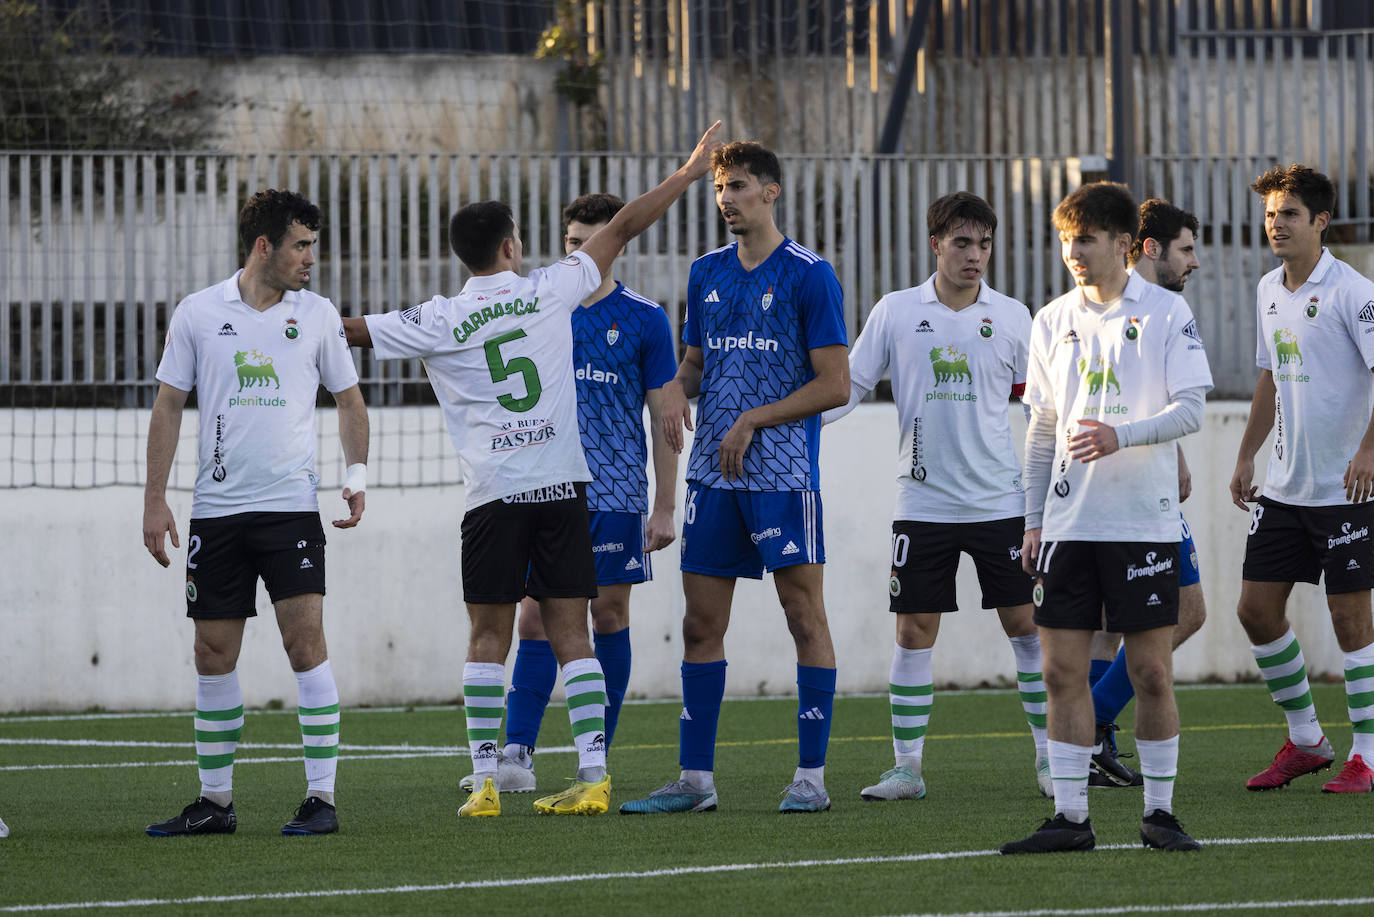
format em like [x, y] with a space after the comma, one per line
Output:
[1319, 344]
[1118, 364]
[256, 376]
[500, 358]
[952, 375]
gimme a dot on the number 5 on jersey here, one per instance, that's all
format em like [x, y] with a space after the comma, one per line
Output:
[501, 370]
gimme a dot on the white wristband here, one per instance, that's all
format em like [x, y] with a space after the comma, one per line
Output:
[355, 479]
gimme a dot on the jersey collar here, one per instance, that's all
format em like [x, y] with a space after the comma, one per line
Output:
[491, 281]
[231, 293]
[926, 292]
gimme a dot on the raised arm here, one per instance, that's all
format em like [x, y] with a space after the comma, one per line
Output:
[640, 213]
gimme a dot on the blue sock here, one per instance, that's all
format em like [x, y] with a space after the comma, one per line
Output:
[815, 703]
[613, 651]
[1113, 690]
[536, 671]
[703, 688]
[1098, 668]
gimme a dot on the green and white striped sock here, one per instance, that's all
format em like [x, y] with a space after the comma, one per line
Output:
[1030, 684]
[1285, 673]
[585, 685]
[318, 712]
[484, 703]
[219, 726]
[1359, 699]
[911, 691]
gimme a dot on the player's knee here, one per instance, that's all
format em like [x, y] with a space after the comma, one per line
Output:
[700, 632]
[1152, 678]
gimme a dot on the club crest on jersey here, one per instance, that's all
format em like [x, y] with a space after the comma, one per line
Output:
[1132, 330]
[1312, 308]
[613, 334]
[291, 330]
[767, 301]
[985, 329]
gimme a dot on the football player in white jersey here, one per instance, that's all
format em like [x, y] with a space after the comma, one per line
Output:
[1117, 371]
[500, 358]
[956, 351]
[1315, 352]
[1165, 253]
[256, 348]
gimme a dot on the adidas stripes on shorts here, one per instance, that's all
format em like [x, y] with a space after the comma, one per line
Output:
[618, 548]
[734, 533]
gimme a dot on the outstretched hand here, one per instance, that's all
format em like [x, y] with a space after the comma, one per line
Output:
[357, 502]
[699, 163]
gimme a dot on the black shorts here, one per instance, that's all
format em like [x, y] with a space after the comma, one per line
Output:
[225, 555]
[925, 559]
[538, 543]
[1118, 586]
[1297, 544]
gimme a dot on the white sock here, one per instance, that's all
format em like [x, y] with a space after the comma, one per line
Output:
[1030, 685]
[815, 774]
[484, 704]
[1069, 770]
[701, 781]
[585, 685]
[1285, 673]
[1359, 690]
[911, 691]
[1159, 767]
[317, 700]
[218, 726]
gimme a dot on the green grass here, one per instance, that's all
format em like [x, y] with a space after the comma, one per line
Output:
[78, 833]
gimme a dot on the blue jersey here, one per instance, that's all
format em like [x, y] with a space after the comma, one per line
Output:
[622, 346]
[756, 330]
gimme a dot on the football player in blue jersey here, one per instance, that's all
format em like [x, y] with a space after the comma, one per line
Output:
[1164, 253]
[766, 354]
[622, 356]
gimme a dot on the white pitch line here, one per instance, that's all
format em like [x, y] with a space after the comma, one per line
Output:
[1195, 907]
[280, 746]
[685, 871]
[352, 753]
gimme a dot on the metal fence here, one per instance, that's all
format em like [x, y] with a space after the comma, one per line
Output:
[100, 247]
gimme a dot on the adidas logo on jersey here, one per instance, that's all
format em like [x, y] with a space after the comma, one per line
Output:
[791, 549]
[813, 714]
[633, 564]
[306, 564]
[713, 296]
[1154, 599]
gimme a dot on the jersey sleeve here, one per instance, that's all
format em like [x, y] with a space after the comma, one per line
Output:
[822, 307]
[1185, 359]
[419, 331]
[1039, 393]
[178, 365]
[868, 360]
[1359, 319]
[337, 371]
[1262, 359]
[1020, 357]
[658, 363]
[569, 281]
[691, 323]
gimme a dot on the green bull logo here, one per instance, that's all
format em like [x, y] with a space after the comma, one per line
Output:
[1100, 377]
[1286, 343]
[258, 373]
[950, 365]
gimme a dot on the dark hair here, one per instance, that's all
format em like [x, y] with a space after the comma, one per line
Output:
[477, 231]
[755, 158]
[270, 213]
[592, 209]
[1314, 189]
[1098, 205]
[1163, 222]
[959, 207]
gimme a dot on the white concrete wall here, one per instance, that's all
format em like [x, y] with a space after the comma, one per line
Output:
[87, 618]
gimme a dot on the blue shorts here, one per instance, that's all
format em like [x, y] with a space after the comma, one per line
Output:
[1189, 573]
[618, 548]
[737, 533]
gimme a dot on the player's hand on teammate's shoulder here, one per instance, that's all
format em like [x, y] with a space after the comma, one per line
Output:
[158, 522]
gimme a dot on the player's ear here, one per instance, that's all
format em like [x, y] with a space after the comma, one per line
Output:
[1151, 249]
[935, 245]
[771, 192]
